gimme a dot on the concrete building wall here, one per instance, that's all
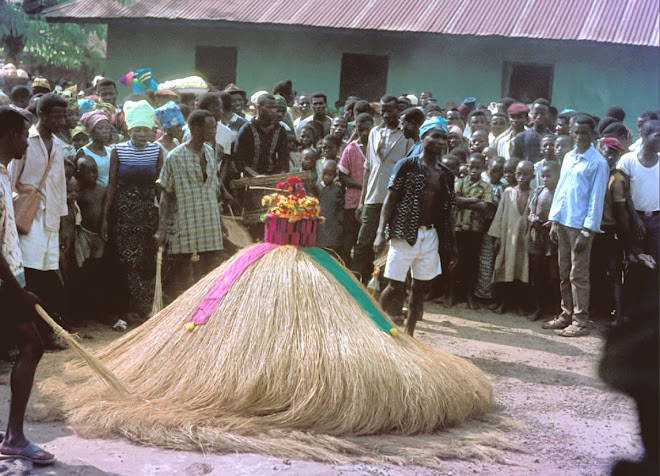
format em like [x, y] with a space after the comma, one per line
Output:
[587, 76]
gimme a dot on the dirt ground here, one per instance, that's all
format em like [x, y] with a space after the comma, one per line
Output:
[570, 424]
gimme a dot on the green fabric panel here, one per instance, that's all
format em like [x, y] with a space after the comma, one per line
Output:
[324, 259]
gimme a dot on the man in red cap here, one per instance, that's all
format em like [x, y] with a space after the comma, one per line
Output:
[527, 144]
[517, 120]
[607, 248]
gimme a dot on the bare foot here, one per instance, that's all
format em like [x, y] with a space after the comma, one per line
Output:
[471, 303]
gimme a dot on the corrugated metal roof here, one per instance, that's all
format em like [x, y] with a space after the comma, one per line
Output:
[631, 22]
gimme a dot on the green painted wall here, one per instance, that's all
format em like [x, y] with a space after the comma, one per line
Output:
[587, 76]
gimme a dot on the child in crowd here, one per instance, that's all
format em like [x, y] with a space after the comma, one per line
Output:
[495, 175]
[89, 246]
[462, 171]
[484, 287]
[542, 251]
[307, 137]
[478, 141]
[79, 137]
[548, 154]
[509, 172]
[331, 199]
[329, 150]
[294, 152]
[490, 153]
[475, 202]
[308, 159]
[509, 230]
[68, 225]
[339, 128]
[452, 163]
[563, 144]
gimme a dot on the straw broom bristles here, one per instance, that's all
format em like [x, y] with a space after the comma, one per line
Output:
[158, 292]
[99, 369]
[288, 364]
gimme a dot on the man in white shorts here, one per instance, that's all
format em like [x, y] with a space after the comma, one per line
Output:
[417, 219]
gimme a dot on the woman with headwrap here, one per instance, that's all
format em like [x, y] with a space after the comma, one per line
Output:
[97, 124]
[130, 216]
[171, 121]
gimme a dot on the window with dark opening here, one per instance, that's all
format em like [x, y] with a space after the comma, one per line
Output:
[364, 76]
[216, 64]
[526, 82]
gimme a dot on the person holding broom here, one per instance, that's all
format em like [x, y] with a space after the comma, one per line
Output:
[417, 218]
[16, 303]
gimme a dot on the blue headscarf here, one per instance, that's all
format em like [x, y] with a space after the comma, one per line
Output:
[434, 123]
[169, 115]
[85, 105]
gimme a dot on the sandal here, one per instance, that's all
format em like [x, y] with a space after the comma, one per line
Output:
[556, 323]
[28, 453]
[573, 331]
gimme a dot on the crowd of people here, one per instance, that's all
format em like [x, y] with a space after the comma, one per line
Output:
[477, 201]
[506, 206]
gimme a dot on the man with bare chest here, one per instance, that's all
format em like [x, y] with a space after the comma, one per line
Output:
[417, 218]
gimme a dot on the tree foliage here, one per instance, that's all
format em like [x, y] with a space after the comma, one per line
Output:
[30, 38]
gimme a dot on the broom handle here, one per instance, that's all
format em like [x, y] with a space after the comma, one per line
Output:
[59, 330]
[106, 374]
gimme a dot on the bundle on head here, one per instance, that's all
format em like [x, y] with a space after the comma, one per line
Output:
[288, 364]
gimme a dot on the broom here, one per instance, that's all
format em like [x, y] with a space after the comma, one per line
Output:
[95, 364]
[158, 292]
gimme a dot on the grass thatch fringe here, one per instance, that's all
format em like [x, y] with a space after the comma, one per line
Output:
[288, 365]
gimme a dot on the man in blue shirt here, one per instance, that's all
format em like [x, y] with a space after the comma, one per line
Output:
[576, 213]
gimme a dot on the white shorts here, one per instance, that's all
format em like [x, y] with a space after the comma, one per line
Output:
[422, 258]
[40, 247]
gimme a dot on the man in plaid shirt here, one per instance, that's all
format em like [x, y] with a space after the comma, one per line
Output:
[189, 217]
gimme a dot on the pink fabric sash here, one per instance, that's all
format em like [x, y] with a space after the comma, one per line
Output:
[210, 302]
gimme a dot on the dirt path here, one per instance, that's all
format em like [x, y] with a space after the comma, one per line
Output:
[570, 423]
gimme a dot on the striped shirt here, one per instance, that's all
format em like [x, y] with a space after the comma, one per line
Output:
[137, 166]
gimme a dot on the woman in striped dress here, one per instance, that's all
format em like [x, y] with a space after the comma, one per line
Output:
[130, 214]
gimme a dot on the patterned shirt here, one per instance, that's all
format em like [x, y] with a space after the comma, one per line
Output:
[196, 224]
[470, 220]
[9, 244]
[266, 151]
[409, 178]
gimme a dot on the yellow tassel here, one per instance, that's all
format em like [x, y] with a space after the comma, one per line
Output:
[394, 332]
[190, 326]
